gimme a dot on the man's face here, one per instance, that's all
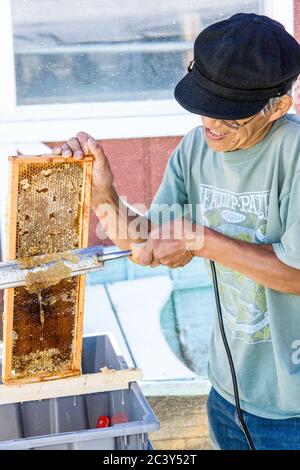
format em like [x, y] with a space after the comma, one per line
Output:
[221, 138]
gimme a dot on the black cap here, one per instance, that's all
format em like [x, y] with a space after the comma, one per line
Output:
[239, 64]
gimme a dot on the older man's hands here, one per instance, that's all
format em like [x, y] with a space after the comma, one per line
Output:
[172, 244]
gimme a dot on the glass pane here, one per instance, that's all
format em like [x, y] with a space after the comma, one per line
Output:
[93, 51]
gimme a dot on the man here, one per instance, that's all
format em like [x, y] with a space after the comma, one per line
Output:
[243, 169]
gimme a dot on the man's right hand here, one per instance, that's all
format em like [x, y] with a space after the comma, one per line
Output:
[79, 147]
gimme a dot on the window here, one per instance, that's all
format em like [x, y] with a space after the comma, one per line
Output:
[70, 51]
[110, 65]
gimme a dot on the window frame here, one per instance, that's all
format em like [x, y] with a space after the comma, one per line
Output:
[117, 119]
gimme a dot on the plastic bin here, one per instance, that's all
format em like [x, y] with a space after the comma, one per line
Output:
[70, 422]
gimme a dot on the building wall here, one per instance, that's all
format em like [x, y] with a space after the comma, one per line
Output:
[297, 18]
[138, 166]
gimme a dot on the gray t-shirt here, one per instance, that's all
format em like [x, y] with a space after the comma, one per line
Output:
[252, 195]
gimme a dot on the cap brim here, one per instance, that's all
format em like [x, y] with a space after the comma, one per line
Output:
[195, 99]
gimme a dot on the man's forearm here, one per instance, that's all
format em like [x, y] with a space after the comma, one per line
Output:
[258, 262]
[120, 223]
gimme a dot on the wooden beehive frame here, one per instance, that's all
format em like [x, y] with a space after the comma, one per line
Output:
[8, 315]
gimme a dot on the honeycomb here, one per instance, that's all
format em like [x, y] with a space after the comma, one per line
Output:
[49, 222]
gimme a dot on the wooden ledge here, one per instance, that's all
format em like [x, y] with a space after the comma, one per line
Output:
[104, 381]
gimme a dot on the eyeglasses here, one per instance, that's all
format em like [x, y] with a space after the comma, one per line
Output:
[235, 125]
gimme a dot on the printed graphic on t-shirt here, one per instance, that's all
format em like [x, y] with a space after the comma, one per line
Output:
[242, 216]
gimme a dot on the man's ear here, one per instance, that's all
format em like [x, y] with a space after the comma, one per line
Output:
[282, 107]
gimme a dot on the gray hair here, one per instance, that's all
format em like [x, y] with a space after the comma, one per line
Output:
[271, 105]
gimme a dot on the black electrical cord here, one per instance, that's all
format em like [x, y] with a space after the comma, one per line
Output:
[229, 357]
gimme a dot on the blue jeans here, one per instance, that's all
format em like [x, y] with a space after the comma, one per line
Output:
[267, 434]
